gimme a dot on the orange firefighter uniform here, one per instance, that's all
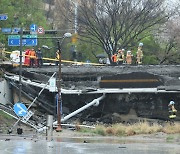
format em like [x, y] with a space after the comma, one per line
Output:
[32, 55]
[114, 58]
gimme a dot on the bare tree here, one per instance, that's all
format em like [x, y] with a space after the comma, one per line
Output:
[169, 40]
[114, 24]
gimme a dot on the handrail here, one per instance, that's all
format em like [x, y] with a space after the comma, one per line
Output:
[94, 102]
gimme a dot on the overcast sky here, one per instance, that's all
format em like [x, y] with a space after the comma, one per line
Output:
[172, 2]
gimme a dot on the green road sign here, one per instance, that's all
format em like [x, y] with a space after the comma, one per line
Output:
[13, 36]
[29, 36]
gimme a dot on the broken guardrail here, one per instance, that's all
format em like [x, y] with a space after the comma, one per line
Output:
[95, 102]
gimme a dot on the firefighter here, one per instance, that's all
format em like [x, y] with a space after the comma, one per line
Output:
[39, 57]
[57, 57]
[172, 111]
[114, 58]
[27, 57]
[129, 57]
[120, 57]
[32, 55]
[139, 54]
[124, 58]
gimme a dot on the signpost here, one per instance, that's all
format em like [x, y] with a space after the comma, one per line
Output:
[11, 30]
[3, 16]
[27, 116]
[6, 30]
[20, 109]
[27, 40]
[16, 30]
[14, 40]
[33, 27]
[40, 30]
[52, 85]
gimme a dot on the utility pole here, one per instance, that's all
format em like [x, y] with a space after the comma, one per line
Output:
[20, 66]
[59, 129]
[75, 17]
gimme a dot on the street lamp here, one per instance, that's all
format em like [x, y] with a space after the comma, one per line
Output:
[59, 43]
[58, 129]
[16, 20]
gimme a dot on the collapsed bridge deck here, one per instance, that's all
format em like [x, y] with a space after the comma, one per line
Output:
[123, 84]
[162, 77]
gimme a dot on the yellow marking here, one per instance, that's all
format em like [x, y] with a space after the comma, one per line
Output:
[64, 61]
[131, 80]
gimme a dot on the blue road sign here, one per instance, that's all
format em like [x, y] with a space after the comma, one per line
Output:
[3, 16]
[16, 30]
[33, 28]
[28, 40]
[14, 40]
[20, 109]
[6, 30]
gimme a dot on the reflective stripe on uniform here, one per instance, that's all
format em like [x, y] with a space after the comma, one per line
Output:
[172, 116]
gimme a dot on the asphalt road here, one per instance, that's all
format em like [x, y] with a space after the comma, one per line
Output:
[38, 145]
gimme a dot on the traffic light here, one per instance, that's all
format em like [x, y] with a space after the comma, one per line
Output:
[25, 32]
[50, 31]
[74, 38]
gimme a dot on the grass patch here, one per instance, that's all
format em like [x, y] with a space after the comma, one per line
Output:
[172, 129]
[129, 130]
[5, 116]
[5, 122]
[1, 73]
[100, 130]
[170, 138]
[146, 128]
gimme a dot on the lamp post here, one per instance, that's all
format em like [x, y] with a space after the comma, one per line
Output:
[16, 20]
[58, 129]
[75, 36]
[59, 43]
[20, 67]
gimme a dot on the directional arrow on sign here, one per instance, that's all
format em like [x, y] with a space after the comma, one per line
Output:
[33, 28]
[28, 40]
[20, 109]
